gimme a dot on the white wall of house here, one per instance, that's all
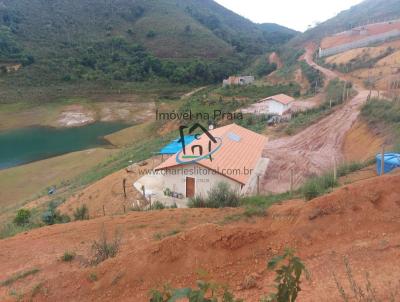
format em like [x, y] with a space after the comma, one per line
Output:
[276, 107]
[175, 179]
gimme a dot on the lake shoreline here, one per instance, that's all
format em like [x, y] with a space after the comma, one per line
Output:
[30, 144]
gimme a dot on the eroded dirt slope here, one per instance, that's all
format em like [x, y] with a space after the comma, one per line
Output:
[359, 221]
[313, 150]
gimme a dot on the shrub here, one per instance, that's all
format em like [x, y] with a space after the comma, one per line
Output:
[288, 277]
[251, 211]
[363, 292]
[213, 292]
[317, 186]
[23, 217]
[93, 277]
[220, 196]
[68, 256]
[81, 213]
[288, 280]
[197, 202]
[52, 216]
[151, 34]
[104, 249]
[157, 205]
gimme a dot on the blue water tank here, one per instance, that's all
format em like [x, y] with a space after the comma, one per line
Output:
[392, 161]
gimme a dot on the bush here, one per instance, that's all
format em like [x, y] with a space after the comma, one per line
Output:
[288, 277]
[81, 213]
[288, 280]
[68, 257]
[104, 249]
[157, 205]
[52, 216]
[23, 217]
[151, 34]
[317, 186]
[220, 196]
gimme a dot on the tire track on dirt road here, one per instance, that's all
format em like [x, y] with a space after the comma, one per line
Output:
[313, 150]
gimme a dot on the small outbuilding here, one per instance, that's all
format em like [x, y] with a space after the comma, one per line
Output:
[278, 104]
[240, 80]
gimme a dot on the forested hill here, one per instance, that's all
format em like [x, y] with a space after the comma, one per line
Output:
[182, 40]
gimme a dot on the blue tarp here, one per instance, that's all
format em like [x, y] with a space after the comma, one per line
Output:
[175, 146]
[392, 161]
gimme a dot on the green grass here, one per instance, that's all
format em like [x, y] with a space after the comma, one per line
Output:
[68, 256]
[312, 188]
[159, 235]
[334, 97]
[11, 229]
[19, 276]
[378, 112]
[304, 119]
[257, 92]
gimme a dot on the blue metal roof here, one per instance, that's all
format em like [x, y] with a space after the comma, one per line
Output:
[175, 146]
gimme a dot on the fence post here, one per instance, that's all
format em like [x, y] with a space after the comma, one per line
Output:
[144, 192]
[383, 160]
[334, 169]
[124, 186]
[291, 181]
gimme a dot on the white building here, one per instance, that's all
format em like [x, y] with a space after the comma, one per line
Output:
[237, 161]
[278, 104]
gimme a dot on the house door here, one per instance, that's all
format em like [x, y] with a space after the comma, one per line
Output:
[190, 187]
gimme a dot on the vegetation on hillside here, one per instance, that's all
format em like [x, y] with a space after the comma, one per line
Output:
[288, 269]
[380, 112]
[120, 40]
[336, 94]
[314, 77]
[360, 62]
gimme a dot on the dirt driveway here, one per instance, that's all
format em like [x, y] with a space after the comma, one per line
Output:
[313, 150]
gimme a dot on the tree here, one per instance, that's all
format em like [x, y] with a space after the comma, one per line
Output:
[188, 29]
[151, 34]
[23, 217]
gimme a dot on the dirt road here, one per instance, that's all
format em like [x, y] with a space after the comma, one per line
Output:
[313, 150]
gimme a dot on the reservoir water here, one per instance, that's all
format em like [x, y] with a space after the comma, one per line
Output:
[24, 145]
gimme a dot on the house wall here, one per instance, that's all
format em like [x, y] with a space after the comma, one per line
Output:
[175, 179]
[276, 107]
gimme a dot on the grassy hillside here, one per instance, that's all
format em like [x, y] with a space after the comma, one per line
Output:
[368, 11]
[184, 41]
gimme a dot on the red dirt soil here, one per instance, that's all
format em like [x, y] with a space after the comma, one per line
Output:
[345, 37]
[359, 221]
[274, 58]
[109, 193]
[314, 150]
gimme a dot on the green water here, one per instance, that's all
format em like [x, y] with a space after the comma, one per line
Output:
[24, 145]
